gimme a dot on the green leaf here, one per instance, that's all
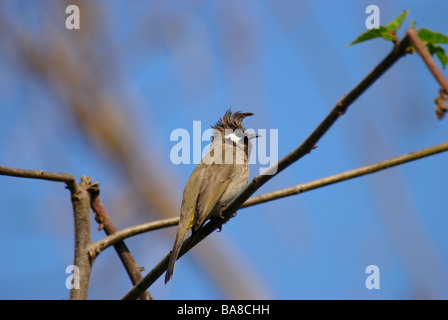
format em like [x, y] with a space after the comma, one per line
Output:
[431, 36]
[387, 32]
[370, 34]
[413, 24]
[439, 52]
[398, 21]
[442, 57]
[389, 36]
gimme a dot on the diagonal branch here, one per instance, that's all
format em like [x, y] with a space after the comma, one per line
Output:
[426, 56]
[106, 223]
[399, 51]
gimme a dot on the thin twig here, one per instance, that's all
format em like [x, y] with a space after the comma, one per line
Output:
[427, 58]
[106, 223]
[38, 174]
[362, 171]
[292, 157]
[113, 238]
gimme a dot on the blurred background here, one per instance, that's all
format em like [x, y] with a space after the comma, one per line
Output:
[103, 100]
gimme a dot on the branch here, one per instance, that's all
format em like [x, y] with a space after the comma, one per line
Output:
[84, 193]
[398, 51]
[427, 58]
[80, 198]
[81, 210]
[113, 238]
[103, 218]
[39, 174]
[358, 172]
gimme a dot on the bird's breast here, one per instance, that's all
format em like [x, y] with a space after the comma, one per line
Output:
[237, 184]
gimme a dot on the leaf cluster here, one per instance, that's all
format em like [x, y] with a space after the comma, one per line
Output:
[389, 32]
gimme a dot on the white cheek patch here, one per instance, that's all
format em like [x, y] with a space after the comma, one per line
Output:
[233, 137]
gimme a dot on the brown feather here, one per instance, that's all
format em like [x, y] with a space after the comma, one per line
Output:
[231, 121]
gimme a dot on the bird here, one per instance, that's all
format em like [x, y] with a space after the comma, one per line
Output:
[221, 175]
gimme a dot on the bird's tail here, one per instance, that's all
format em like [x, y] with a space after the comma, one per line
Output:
[180, 235]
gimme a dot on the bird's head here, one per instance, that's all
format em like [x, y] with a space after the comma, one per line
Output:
[231, 129]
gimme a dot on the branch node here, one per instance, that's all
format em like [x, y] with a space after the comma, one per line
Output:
[341, 107]
[441, 107]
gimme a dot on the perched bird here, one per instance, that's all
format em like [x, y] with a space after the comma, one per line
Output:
[221, 175]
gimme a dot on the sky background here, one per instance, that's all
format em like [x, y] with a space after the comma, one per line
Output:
[102, 101]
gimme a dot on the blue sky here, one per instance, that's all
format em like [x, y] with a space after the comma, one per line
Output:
[184, 61]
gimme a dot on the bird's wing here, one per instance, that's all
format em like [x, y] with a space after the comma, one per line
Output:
[187, 215]
[190, 196]
[216, 179]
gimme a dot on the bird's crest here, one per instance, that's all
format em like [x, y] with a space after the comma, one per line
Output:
[231, 121]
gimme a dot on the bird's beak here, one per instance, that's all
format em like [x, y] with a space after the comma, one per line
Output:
[253, 135]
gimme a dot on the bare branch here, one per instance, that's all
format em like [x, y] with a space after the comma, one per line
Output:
[358, 172]
[113, 238]
[399, 51]
[81, 210]
[80, 198]
[84, 256]
[38, 174]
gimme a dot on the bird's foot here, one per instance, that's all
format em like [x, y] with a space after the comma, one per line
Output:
[222, 217]
[224, 206]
